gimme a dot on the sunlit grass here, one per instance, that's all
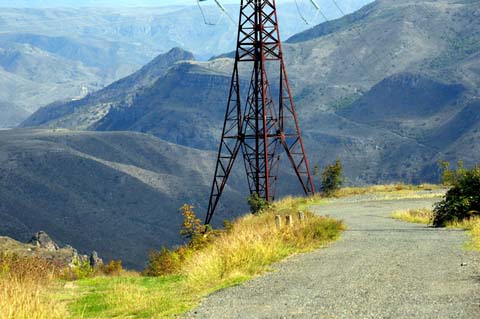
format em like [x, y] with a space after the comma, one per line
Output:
[248, 249]
[425, 216]
[27, 299]
[254, 243]
[392, 191]
[472, 225]
[130, 297]
[421, 216]
[27, 289]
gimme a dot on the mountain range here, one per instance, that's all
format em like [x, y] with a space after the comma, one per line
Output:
[50, 54]
[380, 89]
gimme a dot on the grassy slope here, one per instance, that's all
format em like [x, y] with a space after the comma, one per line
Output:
[247, 250]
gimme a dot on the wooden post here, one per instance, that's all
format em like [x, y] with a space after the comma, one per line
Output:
[289, 220]
[278, 221]
[301, 216]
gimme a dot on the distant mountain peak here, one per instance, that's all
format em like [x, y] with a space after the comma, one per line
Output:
[174, 55]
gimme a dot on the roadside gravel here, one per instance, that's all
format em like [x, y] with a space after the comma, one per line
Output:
[380, 268]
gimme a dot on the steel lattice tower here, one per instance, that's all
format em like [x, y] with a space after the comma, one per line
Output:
[263, 127]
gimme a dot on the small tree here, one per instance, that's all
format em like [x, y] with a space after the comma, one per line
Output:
[332, 178]
[198, 234]
[191, 225]
[462, 200]
[256, 203]
[450, 176]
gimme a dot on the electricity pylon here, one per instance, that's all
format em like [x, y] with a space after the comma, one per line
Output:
[262, 128]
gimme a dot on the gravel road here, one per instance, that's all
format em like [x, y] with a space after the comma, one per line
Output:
[380, 268]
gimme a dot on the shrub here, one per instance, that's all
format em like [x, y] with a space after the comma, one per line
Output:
[449, 176]
[256, 203]
[462, 200]
[332, 178]
[27, 267]
[113, 268]
[163, 262]
[198, 234]
[80, 269]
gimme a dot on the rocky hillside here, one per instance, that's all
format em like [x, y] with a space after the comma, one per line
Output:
[42, 246]
[117, 193]
[387, 89]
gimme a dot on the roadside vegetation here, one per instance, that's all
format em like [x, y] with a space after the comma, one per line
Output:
[174, 280]
[419, 216]
[426, 216]
[460, 207]
[393, 191]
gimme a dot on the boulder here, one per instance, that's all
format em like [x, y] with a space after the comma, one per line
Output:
[95, 261]
[42, 240]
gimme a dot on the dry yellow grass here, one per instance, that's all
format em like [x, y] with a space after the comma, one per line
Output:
[392, 191]
[421, 216]
[254, 243]
[29, 299]
[425, 216]
[473, 227]
[26, 289]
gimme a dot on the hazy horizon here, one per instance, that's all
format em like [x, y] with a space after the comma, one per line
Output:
[111, 3]
[101, 3]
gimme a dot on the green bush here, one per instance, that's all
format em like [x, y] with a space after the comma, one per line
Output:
[80, 269]
[332, 178]
[163, 262]
[113, 268]
[256, 203]
[462, 200]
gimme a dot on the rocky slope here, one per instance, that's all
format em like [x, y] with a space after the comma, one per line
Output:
[42, 246]
[387, 89]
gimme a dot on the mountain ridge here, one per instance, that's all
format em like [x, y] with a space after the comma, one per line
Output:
[117, 193]
[355, 62]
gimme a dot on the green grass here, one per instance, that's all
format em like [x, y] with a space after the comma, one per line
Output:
[130, 297]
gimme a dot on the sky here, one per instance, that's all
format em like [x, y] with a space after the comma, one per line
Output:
[107, 3]
[97, 3]
[120, 3]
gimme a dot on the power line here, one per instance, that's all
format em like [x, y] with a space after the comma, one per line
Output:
[304, 18]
